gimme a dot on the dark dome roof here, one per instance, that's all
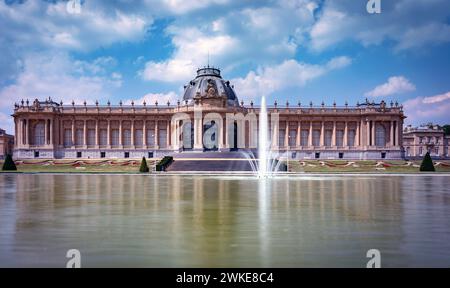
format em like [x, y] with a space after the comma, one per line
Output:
[209, 76]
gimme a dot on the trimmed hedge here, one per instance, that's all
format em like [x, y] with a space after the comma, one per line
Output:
[9, 164]
[164, 163]
[144, 167]
[427, 164]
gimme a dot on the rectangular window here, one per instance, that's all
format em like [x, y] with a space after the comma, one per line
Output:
[36, 154]
[115, 137]
[127, 137]
[127, 154]
[340, 138]
[79, 154]
[102, 154]
[317, 155]
[162, 138]
[351, 138]
[79, 137]
[281, 136]
[316, 138]
[341, 155]
[446, 151]
[383, 155]
[103, 137]
[68, 138]
[304, 138]
[420, 151]
[150, 154]
[91, 137]
[328, 136]
[292, 138]
[151, 137]
[294, 155]
[138, 138]
[436, 150]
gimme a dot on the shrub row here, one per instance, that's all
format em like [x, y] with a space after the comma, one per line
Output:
[164, 163]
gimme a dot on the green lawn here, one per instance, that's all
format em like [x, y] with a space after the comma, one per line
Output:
[84, 166]
[331, 166]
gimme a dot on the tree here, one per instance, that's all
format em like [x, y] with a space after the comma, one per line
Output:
[144, 167]
[9, 164]
[446, 129]
[427, 164]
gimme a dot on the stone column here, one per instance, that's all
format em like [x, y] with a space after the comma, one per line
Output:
[322, 134]
[168, 130]
[85, 134]
[45, 132]
[344, 141]
[132, 134]
[373, 133]
[299, 131]
[357, 136]
[310, 144]
[225, 131]
[156, 134]
[108, 135]
[61, 133]
[221, 133]
[286, 135]
[368, 133]
[73, 133]
[51, 132]
[120, 134]
[144, 134]
[97, 134]
[333, 136]
[275, 131]
[399, 133]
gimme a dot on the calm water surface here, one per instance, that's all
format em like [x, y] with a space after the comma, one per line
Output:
[212, 221]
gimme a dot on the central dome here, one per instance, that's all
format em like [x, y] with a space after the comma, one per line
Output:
[209, 83]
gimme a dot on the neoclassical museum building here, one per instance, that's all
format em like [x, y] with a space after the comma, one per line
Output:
[208, 110]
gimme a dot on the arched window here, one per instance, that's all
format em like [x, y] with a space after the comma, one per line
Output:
[39, 134]
[380, 136]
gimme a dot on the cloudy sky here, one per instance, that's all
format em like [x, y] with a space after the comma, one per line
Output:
[296, 50]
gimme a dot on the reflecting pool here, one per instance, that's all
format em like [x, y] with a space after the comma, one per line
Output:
[229, 221]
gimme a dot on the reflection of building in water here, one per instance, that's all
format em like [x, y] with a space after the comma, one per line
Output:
[46, 129]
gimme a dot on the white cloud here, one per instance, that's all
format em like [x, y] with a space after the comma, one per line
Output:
[59, 77]
[425, 109]
[151, 98]
[408, 24]
[290, 73]
[437, 99]
[395, 85]
[234, 39]
[192, 51]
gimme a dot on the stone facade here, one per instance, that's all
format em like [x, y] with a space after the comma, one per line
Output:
[46, 129]
[6, 144]
[418, 141]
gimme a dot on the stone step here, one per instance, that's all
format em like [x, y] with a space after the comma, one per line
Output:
[209, 165]
[210, 155]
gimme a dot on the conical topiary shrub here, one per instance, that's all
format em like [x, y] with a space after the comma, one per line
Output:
[427, 164]
[144, 167]
[9, 164]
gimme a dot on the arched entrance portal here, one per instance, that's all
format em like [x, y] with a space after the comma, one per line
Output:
[211, 137]
[235, 137]
[188, 136]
